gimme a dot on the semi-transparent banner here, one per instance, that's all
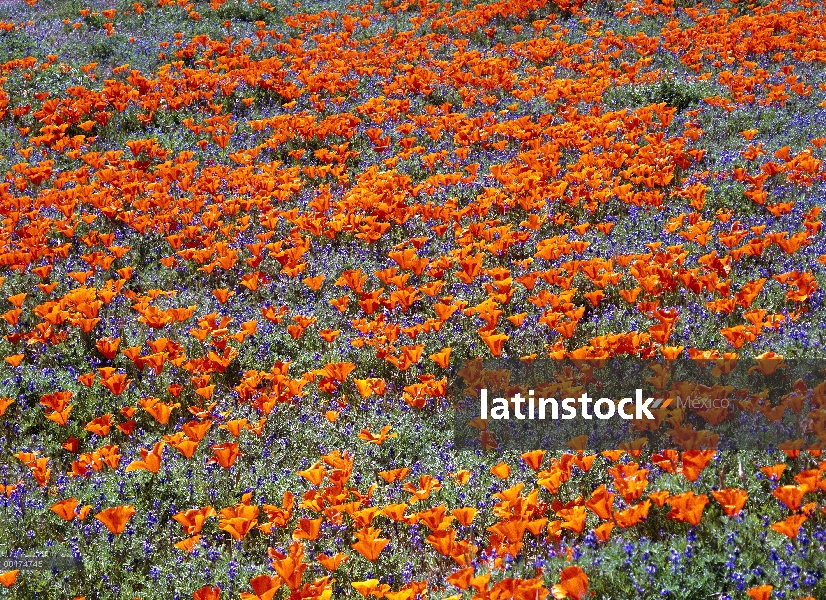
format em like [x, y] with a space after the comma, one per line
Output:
[631, 403]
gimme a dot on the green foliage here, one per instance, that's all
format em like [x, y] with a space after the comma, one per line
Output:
[15, 44]
[241, 10]
[672, 91]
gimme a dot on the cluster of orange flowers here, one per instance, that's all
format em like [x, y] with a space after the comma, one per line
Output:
[77, 215]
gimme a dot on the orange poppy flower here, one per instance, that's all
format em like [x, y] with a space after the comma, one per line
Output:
[762, 592]
[100, 425]
[189, 544]
[573, 584]
[732, 500]
[377, 439]
[207, 593]
[238, 520]
[790, 526]
[369, 545]
[501, 470]
[790, 495]
[65, 509]
[534, 459]
[307, 529]
[225, 454]
[687, 507]
[332, 563]
[193, 520]
[264, 587]
[601, 503]
[8, 578]
[15, 359]
[149, 460]
[291, 567]
[116, 518]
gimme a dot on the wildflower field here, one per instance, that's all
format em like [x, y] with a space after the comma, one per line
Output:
[248, 247]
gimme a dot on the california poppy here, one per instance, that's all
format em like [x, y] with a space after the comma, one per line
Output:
[264, 587]
[501, 470]
[394, 474]
[238, 520]
[207, 593]
[369, 543]
[573, 584]
[332, 563]
[307, 529]
[149, 460]
[193, 520]
[8, 578]
[731, 500]
[790, 495]
[379, 438]
[116, 518]
[189, 544]
[225, 454]
[762, 592]
[65, 509]
[790, 526]
[687, 507]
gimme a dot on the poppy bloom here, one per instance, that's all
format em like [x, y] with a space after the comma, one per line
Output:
[573, 584]
[732, 500]
[116, 518]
